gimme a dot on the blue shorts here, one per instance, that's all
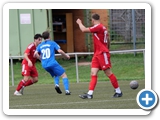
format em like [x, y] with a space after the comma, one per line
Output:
[55, 69]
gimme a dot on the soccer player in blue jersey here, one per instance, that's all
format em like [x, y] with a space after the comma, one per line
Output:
[47, 55]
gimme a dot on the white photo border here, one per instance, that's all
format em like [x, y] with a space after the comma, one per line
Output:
[104, 5]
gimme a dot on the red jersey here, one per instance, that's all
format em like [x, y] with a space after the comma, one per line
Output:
[100, 34]
[30, 52]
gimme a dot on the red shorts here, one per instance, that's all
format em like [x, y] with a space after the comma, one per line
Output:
[101, 61]
[29, 71]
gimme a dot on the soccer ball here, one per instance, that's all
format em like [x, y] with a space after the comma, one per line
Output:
[134, 84]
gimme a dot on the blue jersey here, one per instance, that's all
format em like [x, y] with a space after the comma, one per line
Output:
[47, 51]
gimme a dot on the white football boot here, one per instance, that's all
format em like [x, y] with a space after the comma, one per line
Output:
[17, 93]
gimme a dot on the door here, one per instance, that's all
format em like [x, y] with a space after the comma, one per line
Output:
[69, 29]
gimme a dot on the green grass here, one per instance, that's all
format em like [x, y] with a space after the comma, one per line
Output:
[45, 97]
[126, 47]
[124, 66]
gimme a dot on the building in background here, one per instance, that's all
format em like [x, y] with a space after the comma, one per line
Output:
[24, 23]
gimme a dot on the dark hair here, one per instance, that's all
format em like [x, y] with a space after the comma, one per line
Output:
[36, 36]
[45, 35]
[95, 16]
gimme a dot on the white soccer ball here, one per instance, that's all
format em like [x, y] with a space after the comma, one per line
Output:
[134, 84]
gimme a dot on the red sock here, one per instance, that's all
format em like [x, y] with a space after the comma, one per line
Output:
[93, 82]
[29, 82]
[114, 81]
[20, 85]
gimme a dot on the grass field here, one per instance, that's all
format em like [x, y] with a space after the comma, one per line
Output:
[42, 95]
[124, 66]
[45, 97]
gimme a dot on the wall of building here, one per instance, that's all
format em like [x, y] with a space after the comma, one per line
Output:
[23, 25]
[104, 16]
[20, 35]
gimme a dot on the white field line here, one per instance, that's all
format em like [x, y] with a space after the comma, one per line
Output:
[16, 106]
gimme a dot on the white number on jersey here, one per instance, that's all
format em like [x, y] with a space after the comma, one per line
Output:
[45, 53]
[105, 36]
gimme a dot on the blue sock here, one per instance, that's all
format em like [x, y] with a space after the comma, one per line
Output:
[56, 80]
[66, 83]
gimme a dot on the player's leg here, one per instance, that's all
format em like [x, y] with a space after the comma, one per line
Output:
[106, 65]
[26, 76]
[56, 80]
[27, 82]
[50, 70]
[34, 76]
[65, 83]
[21, 85]
[92, 84]
[93, 79]
[114, 82]
[30, 80]
[59, 71]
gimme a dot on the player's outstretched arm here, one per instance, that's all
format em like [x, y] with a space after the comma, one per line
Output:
[63, 54]
[81, 26]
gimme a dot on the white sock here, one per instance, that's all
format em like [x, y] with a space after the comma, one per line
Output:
[67, 91]
[90, 92]
[118, 90]
[57, 85]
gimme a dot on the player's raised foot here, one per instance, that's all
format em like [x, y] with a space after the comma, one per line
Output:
[86, 96]
[58, 90]
[17, 93]
[116, 95]
[21, 90]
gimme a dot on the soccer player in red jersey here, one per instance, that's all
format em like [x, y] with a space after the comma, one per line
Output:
[29, 71]
[101, 57]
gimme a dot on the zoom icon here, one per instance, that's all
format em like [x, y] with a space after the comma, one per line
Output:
[147, 99]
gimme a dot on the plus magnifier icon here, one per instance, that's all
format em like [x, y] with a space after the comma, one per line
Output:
[147, 99]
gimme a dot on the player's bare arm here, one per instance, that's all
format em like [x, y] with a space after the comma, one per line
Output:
[63, 54]
[81, 26]
[29, 61]
[36, 55]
